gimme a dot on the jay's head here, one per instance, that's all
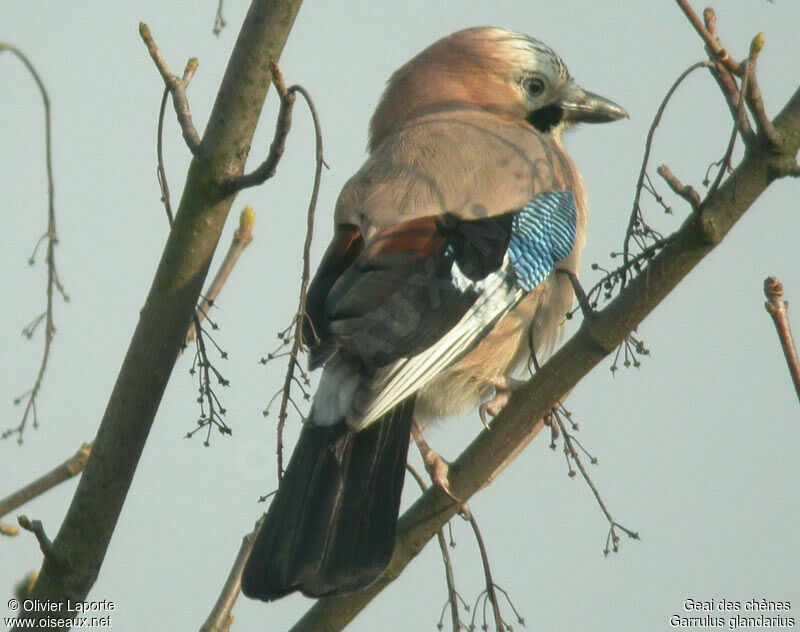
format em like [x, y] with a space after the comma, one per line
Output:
[506, 73]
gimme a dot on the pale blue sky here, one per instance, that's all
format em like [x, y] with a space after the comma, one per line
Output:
[698, 449]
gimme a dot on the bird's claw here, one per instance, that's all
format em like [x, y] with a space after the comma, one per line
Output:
[503, 388]
[436, 467]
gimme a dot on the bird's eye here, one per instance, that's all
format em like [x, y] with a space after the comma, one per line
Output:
[534, 86]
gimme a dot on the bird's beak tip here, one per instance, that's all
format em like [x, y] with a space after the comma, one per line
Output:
[592, 108]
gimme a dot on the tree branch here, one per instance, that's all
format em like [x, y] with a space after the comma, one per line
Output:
[220, 616]
[90, 521]
[687, 192]
[73, 466]
[53, 282]
[282, 126]
[176, 86]
[778, 309]
[37, 529]
[452, 594]
[241, 239]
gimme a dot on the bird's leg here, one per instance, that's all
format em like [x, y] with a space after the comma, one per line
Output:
[437, 468]
[503, 387]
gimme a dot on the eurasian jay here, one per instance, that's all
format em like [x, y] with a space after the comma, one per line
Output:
[439, 276]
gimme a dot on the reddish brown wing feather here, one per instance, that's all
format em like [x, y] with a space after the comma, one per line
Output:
[407, 242]
[418, 238]
[346, 245]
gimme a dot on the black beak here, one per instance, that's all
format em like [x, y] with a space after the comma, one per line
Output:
[586, 107]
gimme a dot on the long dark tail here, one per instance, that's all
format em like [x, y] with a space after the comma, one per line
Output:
[330, 528]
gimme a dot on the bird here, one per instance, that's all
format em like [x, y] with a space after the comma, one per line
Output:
[439, 282]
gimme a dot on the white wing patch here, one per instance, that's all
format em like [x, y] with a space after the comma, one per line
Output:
[498, 294]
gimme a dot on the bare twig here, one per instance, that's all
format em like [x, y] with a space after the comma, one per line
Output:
[160, 172]
[453, 597]
[212, 412]
[779, 310]
[219, 20]
[739, 122]
[53, 282]
[637, 219]
[282, 126]
[301, 307]
[687, 192]
[73, 466]
[177, 88]
[712, 43]
[241, 239]
[723, 76]
[36, 527]
[766, 131]
[634, 349]
[612, 541]
[490, 591]
[219, 619]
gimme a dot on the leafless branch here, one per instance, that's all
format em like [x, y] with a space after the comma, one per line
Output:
[160, 172]
[739, 123]
[297, 337]
[755, 102]
[556, 416]
[36, 527]
[636, 221]
[73, 466]
[219, 20]
[266, 169]
[716, 49]
[241, 239]
[489, 593]
[176, 86]
[219, 619]
[453, 597]
[687, 192]
[778, 309]
[212, 412]
[53, 281]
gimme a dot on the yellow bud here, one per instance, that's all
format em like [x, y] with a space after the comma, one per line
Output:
[246, 222]
[757, 45]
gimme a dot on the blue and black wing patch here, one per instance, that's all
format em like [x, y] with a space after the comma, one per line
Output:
[398, 294]
[542, 234]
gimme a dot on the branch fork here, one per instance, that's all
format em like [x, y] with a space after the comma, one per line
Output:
[177, 88]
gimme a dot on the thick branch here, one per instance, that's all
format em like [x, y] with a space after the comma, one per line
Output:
[699, 235]
[90, 521]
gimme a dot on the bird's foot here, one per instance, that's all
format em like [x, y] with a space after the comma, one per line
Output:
[437, 467]
[503, 387]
